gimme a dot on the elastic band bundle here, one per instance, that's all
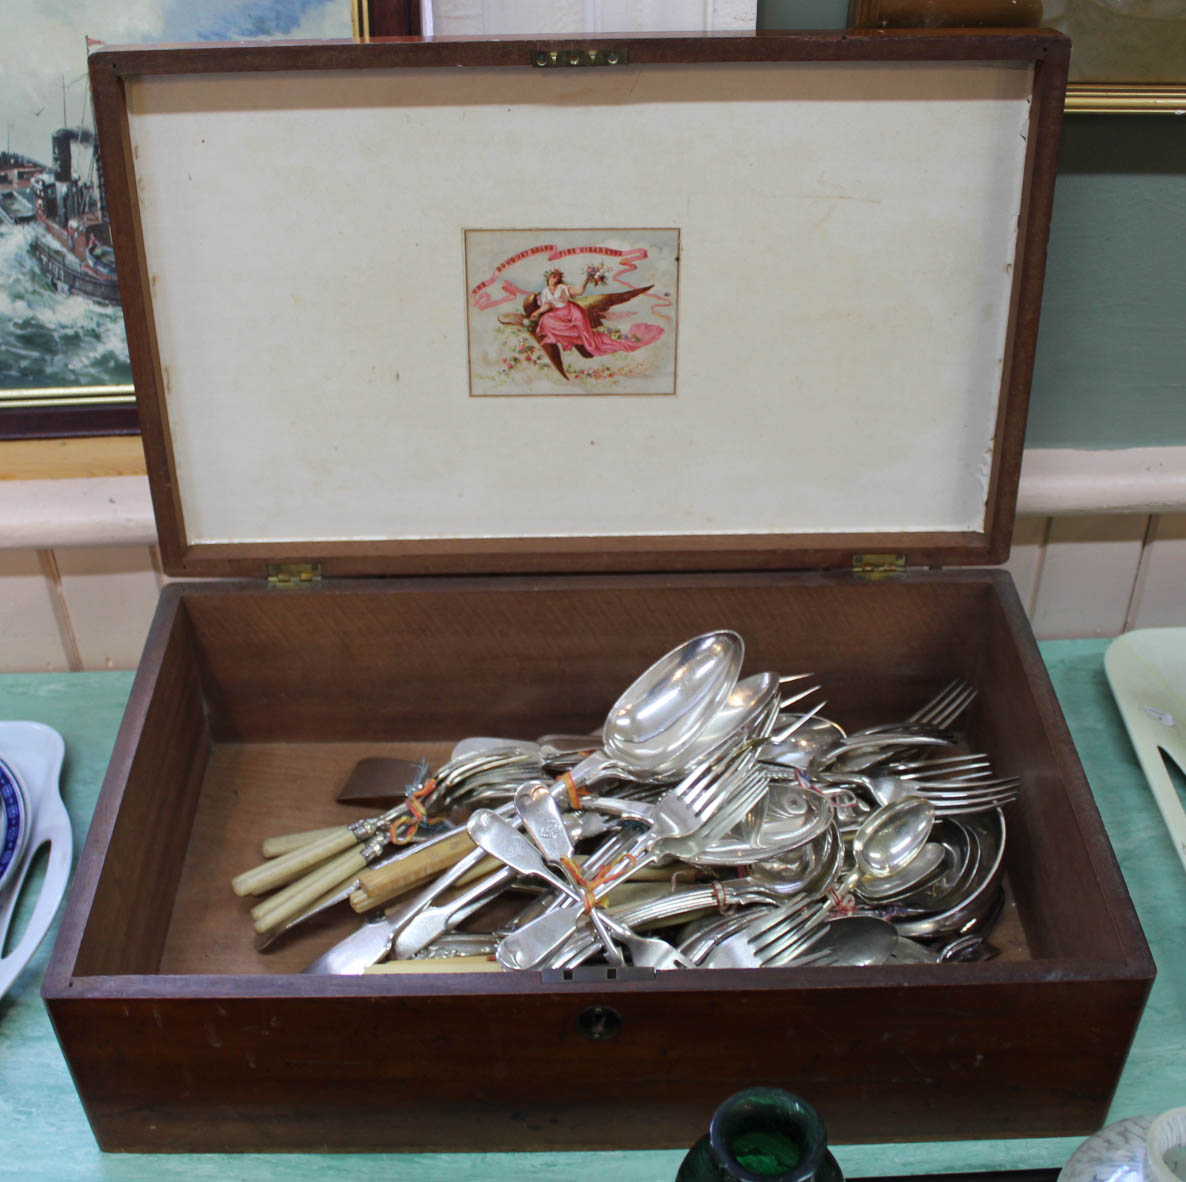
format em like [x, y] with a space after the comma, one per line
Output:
[718, 893]
[575, 792]
[605, 875]
[841, 904]
[403, 830]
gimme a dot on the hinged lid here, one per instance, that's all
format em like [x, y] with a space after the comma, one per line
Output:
[828, 251]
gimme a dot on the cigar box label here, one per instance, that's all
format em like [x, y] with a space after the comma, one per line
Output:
[572, 311]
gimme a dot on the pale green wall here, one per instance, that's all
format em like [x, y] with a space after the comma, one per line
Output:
[1111, 365]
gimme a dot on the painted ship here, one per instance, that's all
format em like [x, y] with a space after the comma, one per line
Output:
[16, 182]
[73, 246]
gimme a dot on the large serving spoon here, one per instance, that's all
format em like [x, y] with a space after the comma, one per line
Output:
[654, 723]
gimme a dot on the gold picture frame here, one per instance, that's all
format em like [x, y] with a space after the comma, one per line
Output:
[1123, 46]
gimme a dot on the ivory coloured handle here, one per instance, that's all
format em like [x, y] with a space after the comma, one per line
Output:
[295, 897]
[273, 847]
[289, 866]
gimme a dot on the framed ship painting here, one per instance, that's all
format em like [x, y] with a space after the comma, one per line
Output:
[64, 366]
[571, 312]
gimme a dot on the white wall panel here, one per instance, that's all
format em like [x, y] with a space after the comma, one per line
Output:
[111, 594]
[30, 638]
[1160, 599]
[1088, 573]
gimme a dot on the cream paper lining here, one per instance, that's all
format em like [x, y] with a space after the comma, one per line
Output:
[847, 235]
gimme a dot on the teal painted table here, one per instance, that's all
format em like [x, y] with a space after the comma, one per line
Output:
[44, 1136]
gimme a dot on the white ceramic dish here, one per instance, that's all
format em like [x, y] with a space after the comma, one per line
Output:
[31, 757]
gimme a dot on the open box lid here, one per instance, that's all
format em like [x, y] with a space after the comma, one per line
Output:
[332, 257]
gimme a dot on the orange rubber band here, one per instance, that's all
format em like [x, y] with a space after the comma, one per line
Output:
[402, 831]
[575, 792]
[605, 875]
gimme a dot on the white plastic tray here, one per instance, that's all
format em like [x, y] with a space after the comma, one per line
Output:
[1147, 672]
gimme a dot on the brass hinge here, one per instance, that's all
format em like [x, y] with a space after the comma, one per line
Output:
[874, 567]
[284, 576]
[618, 56]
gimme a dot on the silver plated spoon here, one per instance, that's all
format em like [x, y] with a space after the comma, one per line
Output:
[892, 835]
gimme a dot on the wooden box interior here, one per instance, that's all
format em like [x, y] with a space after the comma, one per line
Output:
[278, 696]
[255, 705]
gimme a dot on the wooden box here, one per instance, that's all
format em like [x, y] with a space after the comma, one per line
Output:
[861, 234]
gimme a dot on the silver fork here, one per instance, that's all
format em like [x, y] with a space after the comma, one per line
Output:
[700, 796]
[947, 705]
[933, 720]
[982, 799]
[776, 936]
[951, 797]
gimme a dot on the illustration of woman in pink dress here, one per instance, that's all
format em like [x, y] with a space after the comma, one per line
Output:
[558, 321]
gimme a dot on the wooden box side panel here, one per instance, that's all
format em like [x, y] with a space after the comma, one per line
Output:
[513, 1072]
[439, 659]
[1058, 852]
[156, 792]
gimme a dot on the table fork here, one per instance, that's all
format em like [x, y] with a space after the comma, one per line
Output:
[774, 936]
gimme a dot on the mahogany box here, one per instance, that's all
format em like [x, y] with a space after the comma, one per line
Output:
[400, 512]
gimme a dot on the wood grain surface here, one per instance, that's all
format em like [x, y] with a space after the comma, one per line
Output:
[252, 709]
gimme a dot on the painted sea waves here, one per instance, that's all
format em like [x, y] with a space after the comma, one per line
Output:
[59, 323]
[48, 338]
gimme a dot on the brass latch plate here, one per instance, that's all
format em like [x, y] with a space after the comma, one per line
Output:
[547, 58]
[286, 576]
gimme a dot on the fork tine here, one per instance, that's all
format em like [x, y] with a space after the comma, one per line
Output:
[792, 935]
[927, 712]
[971, 787]
[770, 923]
[694, 784]
[974, 774]
[920, 768]
[947, 705]
[957, 706]
[967, 810]
[786, 703]
[705, 782]
[974, 802]
[938, 761]
[737, 786]
[752, 789]
[782, 736]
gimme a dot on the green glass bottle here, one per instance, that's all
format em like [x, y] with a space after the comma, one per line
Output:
[762, 1135]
